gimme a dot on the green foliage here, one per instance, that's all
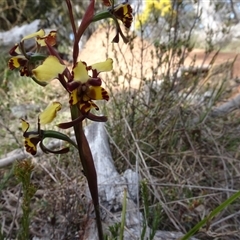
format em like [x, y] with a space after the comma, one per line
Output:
[117, 230]
[207, 220]
[124, 208]
[5, 179]
[23, 171]
[4, 72]
[152, 215]
[1, 235]
[114, 232]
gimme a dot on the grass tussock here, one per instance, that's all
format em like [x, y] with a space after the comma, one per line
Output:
[165, 130]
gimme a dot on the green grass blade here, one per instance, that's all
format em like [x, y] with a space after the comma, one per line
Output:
[124, 208]
[211, 215]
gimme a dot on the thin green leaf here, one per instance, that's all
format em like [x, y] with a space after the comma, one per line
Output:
[211, 215]
[58, 135]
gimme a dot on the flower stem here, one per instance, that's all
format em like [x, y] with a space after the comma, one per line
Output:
[88, 167]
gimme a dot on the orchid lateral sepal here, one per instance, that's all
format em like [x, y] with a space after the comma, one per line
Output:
[119, 31]
[89, 116]
[29, 55]
[58, 135]
[107, 14]
[96, 118]
[70, 124]
[47, 150]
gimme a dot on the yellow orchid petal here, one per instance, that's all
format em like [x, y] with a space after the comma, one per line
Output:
[49, 113]
[17, 61]
[49, 70]
[25, 125]
[51, 38]
[73, 97]
[103, 66]
[15, 50]
[31, 139]
[39, 33]
[80, 72]
[97, 93]
[30, 143]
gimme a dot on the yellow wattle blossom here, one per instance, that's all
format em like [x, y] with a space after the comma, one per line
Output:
[156, 7]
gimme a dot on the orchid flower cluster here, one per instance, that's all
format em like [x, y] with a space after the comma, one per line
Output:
[82, 83]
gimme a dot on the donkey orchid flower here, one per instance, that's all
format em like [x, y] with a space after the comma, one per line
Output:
[88, 88]
[42, 38]
[19, 60]
[122, 12]
[83, 88]
[26, 61]
[32, 138]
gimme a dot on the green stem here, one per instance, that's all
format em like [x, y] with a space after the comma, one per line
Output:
[124, 209]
